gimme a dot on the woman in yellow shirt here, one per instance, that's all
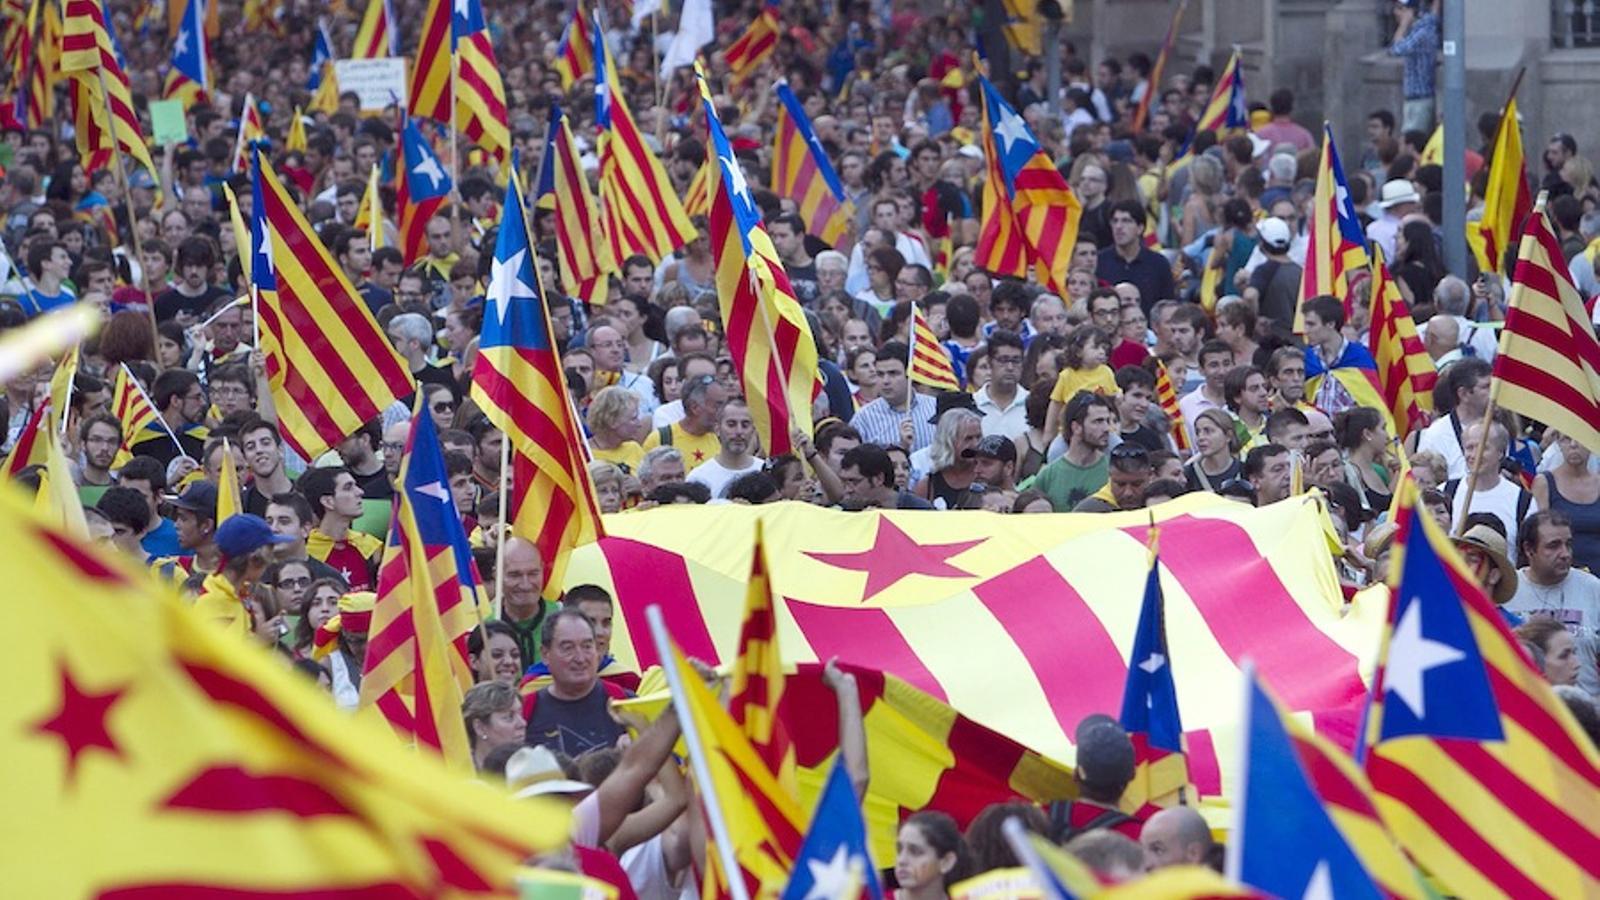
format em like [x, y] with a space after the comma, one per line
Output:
[1085, 370]
[614, 427]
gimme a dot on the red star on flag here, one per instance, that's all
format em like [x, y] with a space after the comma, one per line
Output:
[80, 723]
[894, 555]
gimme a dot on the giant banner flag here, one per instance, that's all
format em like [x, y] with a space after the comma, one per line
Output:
[1023, 625]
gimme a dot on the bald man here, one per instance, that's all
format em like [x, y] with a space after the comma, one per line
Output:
[523, 607]
[1176, 836]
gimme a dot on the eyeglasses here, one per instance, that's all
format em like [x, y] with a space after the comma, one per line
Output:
[1005, 360]
[302, 582]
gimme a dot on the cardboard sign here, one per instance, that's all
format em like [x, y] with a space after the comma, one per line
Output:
[167, 122]
[379, 83]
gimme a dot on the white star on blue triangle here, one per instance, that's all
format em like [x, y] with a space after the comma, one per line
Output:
[1150, 696]
[1013, 140]
[261, 271]
[466, 19]
[433, 507]
[421, 161]
[745, 213]
[512, 313]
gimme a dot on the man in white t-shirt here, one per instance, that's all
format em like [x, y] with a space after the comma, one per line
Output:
[736, 431]
[1495, 494]
[1467, 382]
[1549, 586]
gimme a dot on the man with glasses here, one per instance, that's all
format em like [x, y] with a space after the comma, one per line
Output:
[1094, 224]
[181, 403]
[694, 435]
[610, 353]
[913, 283]
[412, 293]
[1002, 402]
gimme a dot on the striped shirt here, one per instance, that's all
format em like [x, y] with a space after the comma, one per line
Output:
[879, 423]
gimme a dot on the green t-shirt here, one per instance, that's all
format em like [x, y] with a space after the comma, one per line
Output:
[1065, 484]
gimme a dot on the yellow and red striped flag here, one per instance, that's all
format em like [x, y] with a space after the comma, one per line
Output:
[133, 409]
[330, 367]
[1226, 112]
[196, 754]
[430, 70]
[575, 53]
[369, 216]
[1167, 397]
[30, 448]
[1405, 371]
[802, 173]
[105, 125]
[697, 202]
[930, 362]
[1548, 366]
[39, 65]
[252, 128]
[1478, 768]
[14, 15]
[755, 45]
[771, 343]
[1030, 214]
[583, 255]
[421, 188]
[519, 384]
[763, 820]
[758, 680]
[642, 213]
[480, 96]
[1506, 201]
[1336, 247]
[379, 34]
[416, 668]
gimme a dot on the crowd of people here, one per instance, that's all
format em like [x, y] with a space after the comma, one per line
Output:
[1058, 409]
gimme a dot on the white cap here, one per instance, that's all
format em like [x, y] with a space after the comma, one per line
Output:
[1397, 191]
[1274, 233]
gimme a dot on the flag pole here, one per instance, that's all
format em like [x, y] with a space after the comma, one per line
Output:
[500, 532]
[159, 417]
[127, 201]
[455, 146]
[697, 754]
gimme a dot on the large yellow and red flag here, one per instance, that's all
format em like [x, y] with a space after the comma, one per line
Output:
[133, 410]
[1336, 247]
[1406, 373]
[930, 362]
[429, 599]
[771, 343]
[641, 211]
[1506, 201]
[187, 756]
[583, 255]
[801, 172]
[1478, 768]
[755, 45]
[379, 34]
[480, 111]
[1548, 365]
[1030, 214]
[330, 367]
[518, 382]
[103, 112]
[430, 70]
[758, 680]
[1226, 112]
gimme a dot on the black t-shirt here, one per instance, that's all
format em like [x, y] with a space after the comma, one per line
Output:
[375, 486]
[170, 302]
[804, 281]
[434, 373]
[1146, 437]
[573, 727]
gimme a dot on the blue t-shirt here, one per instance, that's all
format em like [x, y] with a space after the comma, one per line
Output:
[162, 541]
[35, 303]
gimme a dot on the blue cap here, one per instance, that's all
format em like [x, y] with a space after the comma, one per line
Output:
[246, 533]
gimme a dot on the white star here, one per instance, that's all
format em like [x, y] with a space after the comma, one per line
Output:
[1153, 663]
[436, 490]
[180, 44]
[505, 284]
[736, 177]
[345, 572]
[463, 8]
[1320, 887]
[1011, 129]
[830, 880]
[1410, 657]
[429, 168]
[266, 247]
[1341, 197]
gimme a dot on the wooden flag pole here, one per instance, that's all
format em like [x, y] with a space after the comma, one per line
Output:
[503, 527]
[127, 202]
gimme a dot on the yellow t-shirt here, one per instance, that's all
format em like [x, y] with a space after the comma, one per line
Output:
[627, 454]
[1098, 380]
[695, 450]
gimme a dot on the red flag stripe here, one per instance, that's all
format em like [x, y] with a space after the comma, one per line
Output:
[1537, 812]
[1517, 372]
[867, 637]
[642, 575]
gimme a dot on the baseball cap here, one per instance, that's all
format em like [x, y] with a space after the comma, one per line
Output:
[997, 446]
[245, 533]
[199, 497]
[1274, 233]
